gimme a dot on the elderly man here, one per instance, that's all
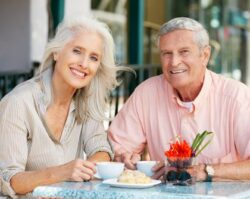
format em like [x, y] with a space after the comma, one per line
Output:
[185, 100]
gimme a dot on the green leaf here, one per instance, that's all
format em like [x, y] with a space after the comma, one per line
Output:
[195, 141]
[208, 142]
[199, 140]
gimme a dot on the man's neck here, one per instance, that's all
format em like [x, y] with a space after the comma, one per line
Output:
[189, 94]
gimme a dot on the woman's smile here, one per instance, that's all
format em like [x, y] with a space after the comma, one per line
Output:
[77, 73]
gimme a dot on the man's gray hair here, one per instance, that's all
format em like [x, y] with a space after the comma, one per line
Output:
[183, 23]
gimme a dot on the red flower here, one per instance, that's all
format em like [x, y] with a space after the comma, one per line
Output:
[179, 150]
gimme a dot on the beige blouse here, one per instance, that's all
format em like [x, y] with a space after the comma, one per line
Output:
[25, 141]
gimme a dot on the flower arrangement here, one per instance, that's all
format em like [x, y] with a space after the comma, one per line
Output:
[181, 150]
[180, 156]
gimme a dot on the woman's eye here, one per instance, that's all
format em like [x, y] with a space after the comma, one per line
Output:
[94, 58]
[77, 51]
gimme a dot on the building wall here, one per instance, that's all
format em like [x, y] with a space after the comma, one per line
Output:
[77, 7]
[155, 16]
[155, 12]
[15, 37]
[39, 28]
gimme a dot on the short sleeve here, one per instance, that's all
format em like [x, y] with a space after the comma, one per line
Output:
[13, 141]
[126, 131]
[94, 138]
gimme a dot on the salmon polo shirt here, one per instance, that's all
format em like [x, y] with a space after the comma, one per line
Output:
[154, 116]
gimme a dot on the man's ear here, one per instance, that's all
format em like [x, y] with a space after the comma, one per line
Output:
[206, 55]
[55, 56]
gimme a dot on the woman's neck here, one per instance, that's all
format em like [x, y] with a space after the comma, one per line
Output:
[62, 93]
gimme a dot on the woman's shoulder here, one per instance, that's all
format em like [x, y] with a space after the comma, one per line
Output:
[23, 91]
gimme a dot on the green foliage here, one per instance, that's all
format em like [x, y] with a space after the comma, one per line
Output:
[197, 146]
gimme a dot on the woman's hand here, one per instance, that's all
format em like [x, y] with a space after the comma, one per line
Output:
[78, 170]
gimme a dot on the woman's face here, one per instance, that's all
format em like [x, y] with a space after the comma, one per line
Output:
[77, 62]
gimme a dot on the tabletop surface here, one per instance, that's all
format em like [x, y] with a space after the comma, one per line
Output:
[96, 190]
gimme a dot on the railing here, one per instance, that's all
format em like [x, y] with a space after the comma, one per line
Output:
[150, 34]
[129, 81]
[9, 80]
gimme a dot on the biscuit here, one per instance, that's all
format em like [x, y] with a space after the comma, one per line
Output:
[134, 177]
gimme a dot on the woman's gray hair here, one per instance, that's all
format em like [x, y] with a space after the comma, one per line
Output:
[90, 100]
[183, 23]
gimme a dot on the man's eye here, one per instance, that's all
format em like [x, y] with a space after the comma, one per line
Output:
[77, 51]
[184, 52]
[167, 54]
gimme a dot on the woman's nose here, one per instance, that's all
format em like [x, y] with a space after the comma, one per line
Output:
[83, 62]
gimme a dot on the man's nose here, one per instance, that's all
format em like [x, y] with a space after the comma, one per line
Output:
[175, 60]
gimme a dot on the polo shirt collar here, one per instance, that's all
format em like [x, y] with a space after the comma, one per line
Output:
[199, 100]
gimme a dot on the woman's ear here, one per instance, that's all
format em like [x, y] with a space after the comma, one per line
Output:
[55, 56]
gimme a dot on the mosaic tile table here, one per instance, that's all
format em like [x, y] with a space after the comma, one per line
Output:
[97, 190]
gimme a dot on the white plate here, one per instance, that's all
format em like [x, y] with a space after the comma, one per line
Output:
[113, 182]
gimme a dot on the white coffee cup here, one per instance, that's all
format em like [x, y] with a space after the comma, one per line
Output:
[146, 167]
[107, 170]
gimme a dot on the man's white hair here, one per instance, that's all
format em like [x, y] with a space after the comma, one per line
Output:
[183, 23]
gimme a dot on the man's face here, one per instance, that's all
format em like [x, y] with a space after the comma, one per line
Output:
[183, 63]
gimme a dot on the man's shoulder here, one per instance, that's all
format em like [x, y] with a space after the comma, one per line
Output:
[229, 87]
[151, 82]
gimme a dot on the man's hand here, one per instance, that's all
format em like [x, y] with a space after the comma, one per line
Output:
[198, 171]
[129, 159]
[159, 170]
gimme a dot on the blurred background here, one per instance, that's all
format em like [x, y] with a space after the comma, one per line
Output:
[27, 25]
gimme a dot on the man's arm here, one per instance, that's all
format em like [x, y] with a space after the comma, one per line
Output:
[232, 171]
[224, 171]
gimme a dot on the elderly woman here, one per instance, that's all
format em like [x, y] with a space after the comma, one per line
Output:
[52, 122]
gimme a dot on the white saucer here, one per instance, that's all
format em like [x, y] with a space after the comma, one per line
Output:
[113, 182]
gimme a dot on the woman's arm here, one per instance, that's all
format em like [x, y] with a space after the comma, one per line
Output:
[100, 157]
[95, 142]
[76, 170]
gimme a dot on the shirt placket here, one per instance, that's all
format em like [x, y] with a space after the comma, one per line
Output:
[188, 125]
